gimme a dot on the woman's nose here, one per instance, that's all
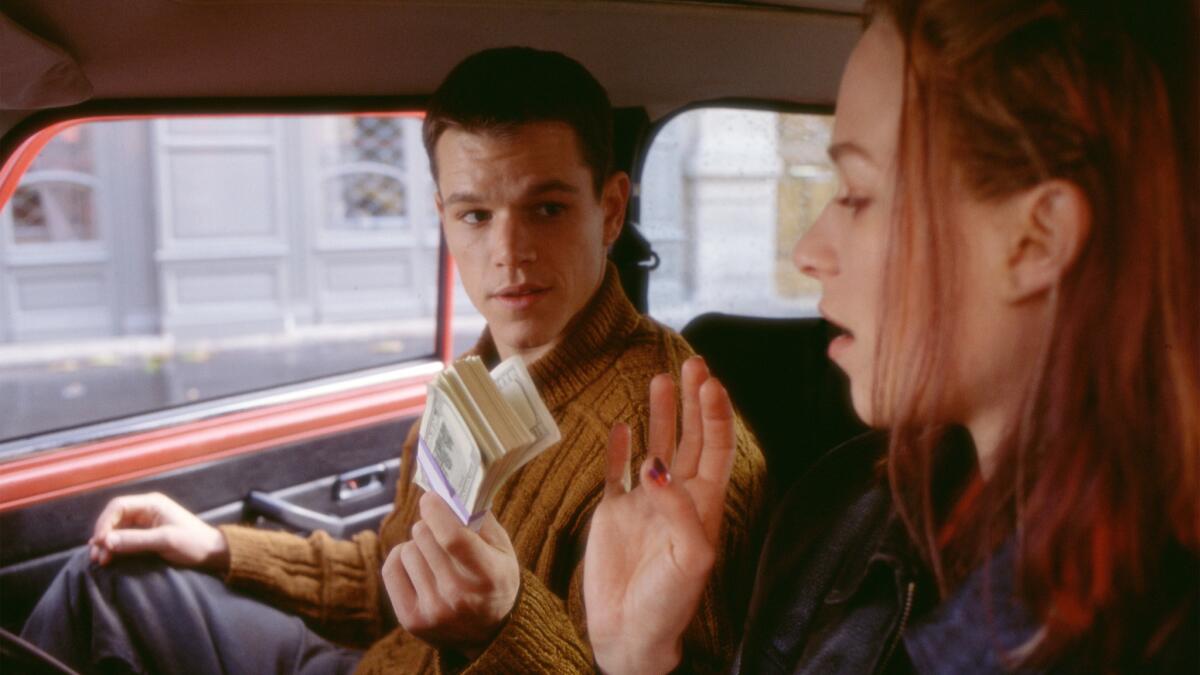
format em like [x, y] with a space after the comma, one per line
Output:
[814, 254]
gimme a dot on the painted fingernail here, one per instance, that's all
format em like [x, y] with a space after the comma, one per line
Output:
[659, 474]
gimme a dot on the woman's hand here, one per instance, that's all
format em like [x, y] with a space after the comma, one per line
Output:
[650, 550]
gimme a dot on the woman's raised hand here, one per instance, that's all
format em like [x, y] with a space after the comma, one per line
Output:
[650, 550]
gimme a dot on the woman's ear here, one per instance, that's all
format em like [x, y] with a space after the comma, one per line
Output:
[1054, 224]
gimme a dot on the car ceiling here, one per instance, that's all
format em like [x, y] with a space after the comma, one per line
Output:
[65, 55]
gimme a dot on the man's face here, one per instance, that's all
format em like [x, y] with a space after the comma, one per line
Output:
[526, 228]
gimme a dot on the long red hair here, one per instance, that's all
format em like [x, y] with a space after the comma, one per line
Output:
[1099, 480]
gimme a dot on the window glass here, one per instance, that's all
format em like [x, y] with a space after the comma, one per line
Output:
[146, 264]
[725, 195]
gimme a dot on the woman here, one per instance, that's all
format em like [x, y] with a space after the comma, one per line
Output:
[1014, 259]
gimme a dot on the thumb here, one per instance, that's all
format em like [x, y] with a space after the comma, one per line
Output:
[136, 541]
[492, 532]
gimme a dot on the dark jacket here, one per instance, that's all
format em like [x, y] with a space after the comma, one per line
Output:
[840, 589]
[836, 578]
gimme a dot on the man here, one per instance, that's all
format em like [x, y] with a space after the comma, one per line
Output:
[520, 142]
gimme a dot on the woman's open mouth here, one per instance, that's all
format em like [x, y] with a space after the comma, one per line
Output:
[842, 339]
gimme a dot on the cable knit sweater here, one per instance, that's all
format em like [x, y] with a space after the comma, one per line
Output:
[597, 375]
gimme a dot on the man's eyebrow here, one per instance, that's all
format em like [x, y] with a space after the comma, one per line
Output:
[459, 197]
[552, 185]
[839, 150]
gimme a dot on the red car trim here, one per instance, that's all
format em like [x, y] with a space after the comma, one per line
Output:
[67, 471]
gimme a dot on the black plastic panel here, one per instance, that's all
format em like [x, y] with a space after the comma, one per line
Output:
[36, 541]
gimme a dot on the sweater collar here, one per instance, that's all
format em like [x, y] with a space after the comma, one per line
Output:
[589, 345]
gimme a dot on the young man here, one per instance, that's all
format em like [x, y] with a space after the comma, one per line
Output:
[520, 142]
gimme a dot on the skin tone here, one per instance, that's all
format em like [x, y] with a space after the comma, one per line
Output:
[642, 584]
[526, 229]
[529, 234]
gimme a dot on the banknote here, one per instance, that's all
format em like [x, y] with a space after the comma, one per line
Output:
[479, 429]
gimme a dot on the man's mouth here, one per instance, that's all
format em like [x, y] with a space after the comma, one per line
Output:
[520, 296]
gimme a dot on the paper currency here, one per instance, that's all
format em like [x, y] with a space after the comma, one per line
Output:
[478, 429]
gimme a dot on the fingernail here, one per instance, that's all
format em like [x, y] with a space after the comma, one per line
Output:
[659, 474]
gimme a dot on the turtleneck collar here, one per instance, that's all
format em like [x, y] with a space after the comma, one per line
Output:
[590, 343]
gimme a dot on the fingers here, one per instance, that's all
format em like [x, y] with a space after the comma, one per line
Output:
[716, 458]
[445, 572]
[145, 510]
[693, 375]
[423, 580]
[616, 475]
[154, 540]
[455, 542]
[123, 512]
[399, 584]
[691, 549]
[661, 427]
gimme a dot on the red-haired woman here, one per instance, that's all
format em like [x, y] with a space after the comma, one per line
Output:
[1014, 259]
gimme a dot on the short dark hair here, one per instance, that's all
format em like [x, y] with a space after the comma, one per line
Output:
[498, 90]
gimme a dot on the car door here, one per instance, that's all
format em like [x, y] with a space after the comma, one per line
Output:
[238, 311]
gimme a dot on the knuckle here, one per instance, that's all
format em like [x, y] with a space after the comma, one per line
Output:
[457, 546]
[459, 603]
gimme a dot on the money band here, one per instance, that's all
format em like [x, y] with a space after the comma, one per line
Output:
[433, 472]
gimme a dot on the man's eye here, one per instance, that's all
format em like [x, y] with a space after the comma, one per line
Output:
[550, 209]
[476, 217]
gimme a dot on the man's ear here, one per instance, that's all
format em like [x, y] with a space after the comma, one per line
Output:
[614, 201]
[437, 201]
[1055, 221]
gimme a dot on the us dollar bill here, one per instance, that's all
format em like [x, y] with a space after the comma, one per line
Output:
[518, 389]
[448, 456]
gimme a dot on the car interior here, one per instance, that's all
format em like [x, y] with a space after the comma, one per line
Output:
[323, 453]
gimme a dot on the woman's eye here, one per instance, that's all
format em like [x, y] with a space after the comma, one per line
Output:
[853, 202]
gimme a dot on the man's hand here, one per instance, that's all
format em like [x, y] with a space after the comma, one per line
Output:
[450, 586]
[154, 523]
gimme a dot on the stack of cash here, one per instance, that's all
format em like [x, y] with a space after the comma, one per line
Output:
[478, 429]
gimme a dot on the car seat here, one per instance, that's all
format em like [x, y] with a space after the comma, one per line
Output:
[794, 399]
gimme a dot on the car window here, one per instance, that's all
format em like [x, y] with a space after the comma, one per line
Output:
[725, 193]
[153, 263]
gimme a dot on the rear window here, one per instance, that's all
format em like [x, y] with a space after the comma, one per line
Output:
[152, 263]
[725, 195]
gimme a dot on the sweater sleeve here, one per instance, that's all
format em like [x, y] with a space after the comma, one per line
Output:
[537, 638]
[544, 634]
[334, 583]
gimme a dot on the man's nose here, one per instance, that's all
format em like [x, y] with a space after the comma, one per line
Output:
[814, 254]
[512, 242]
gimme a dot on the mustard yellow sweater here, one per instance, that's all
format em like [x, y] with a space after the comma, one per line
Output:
[596, 376]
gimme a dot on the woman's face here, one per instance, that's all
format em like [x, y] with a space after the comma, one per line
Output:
[845, 248]
[994, 338]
